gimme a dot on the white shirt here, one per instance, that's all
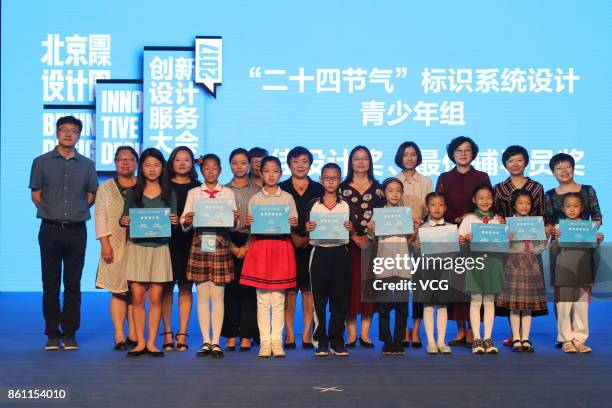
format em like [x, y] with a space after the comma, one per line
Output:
[415, 190]
[466, 224]
[340, 207]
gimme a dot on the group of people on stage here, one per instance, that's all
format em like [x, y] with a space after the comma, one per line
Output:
[247, 285]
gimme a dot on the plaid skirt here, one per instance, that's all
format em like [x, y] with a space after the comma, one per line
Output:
[216, 267]
[525, 290]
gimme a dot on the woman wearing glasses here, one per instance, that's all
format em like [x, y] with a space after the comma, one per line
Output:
[110, 276]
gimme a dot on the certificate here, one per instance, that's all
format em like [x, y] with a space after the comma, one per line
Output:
[577, 233]
[439, 240]
[393, 221]
[329, 225]
[149, 222]
[217, 212]
[490, 238]
[526, 228]
[270, 219]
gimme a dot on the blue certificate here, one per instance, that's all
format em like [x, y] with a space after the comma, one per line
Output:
[577, 233]
[329, 226]
[490, 238]
[439, 240]
[526, 228]
[149, 222]
[218, 212]
[270, 219]
[393, 221]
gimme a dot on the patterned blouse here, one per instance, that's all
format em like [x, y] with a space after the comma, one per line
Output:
[362, 205]
[554, 201]
[503, 194]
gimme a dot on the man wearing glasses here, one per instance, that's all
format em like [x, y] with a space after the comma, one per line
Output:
[63, 184]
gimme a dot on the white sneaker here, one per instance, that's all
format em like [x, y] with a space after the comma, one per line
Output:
[277, 349]
[265, 349]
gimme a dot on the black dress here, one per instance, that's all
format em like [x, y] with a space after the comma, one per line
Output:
[180, 242]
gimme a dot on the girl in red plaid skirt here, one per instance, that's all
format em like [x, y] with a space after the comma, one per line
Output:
[525, 291]
[210, 263]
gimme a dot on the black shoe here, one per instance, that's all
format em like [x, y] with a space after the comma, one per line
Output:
[366, 344]
[289, 346]
[69, 343]
[215, 351]
[131, 343]
[155, 353]
[322, 350]
[181, 346]
[307, 346]
[458, 342]
[388, 349]
[339, 350]
[527, 346]
[517, 346]
[398, 349]
[405, 344]
[204, 350]
[229, 348]
[53, 343]
[351, 344]
[135, 353]
[167, 346]
[121, 346]
[416, 345]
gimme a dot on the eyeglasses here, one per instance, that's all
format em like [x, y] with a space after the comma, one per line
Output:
[70, 131]
[330, 179]
[125, 161]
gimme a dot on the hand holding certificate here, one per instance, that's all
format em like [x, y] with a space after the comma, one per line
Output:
[329, 226]
[149, 222]
[393, 221]
[577, 233]
[217, 212]
[270, 219]
[438, 240]
[490, 238]
[526, 228]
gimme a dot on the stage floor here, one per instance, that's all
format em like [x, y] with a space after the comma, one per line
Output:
[97, 376]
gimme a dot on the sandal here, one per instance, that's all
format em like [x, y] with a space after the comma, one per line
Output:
[167, 346]
[527, 346]
[517, 346]
[181, 346]
[204, 350]
[215, 351]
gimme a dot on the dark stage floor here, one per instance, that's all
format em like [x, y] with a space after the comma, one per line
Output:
[97, 376]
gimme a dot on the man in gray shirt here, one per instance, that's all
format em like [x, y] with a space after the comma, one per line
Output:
[63, 184]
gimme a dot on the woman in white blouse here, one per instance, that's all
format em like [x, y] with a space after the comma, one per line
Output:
[112, 236]
[416, 188]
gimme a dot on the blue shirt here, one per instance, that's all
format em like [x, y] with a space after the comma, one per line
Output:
[64, 184]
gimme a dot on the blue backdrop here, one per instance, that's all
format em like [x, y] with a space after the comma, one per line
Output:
[324, 74]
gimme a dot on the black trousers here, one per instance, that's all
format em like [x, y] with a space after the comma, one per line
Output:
[384, 324]
[330, 277]
[62, 246]
[240, 302]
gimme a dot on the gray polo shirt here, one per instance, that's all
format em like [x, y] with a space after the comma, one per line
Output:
[64, 184]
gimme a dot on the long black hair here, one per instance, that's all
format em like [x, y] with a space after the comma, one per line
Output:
[193, 174]
[141, 181]
[350, 173]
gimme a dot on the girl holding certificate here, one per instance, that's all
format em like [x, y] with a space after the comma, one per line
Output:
[147, 261]
[210, 263]
[573, 279]
[110, 199]
[391, 247]
[484, 283]
[269, 265]
[525, 292]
